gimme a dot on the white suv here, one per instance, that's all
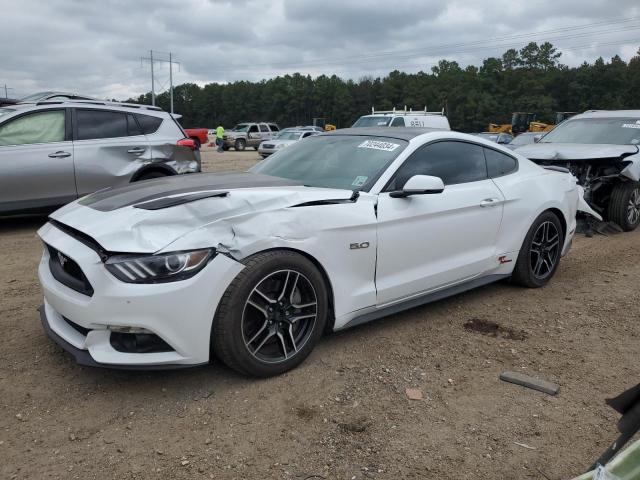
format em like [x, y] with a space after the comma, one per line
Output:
[53, 152]
[404, 118]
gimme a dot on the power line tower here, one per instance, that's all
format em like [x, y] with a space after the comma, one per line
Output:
[6, 90]
[160, 57]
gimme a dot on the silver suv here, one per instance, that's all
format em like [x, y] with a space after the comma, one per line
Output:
[54, 152]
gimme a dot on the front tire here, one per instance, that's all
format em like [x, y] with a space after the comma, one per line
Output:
[539, 256]
[624, 205]
[272, 315]
[240, 145]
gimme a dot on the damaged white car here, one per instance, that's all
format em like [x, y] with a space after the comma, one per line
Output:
[601, 149]
[328, 233]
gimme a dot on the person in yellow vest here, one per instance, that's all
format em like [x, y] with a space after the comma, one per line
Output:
[219, 137]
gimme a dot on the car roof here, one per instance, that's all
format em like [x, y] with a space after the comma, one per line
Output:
[608, 114]
[401, 133]
[132, 107]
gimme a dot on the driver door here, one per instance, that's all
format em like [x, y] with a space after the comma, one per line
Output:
[427, 242]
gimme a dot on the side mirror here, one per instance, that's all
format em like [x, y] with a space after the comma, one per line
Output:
[420, 185]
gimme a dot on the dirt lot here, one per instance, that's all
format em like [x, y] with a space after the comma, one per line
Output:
[344, 413]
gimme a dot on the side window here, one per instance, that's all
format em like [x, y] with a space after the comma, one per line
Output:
[397, 122]
[40, 127]
[264, 128]
[94, 124]
[274, 128]
[306, 134]
[148, 123]
[253, 129]
[453, 162]
[132, 126]
[499, 164]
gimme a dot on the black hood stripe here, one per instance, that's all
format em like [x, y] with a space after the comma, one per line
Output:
[145, 191]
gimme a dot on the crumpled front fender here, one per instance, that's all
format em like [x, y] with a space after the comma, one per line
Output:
[583, 206]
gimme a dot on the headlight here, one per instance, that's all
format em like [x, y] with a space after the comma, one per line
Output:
[167, 267]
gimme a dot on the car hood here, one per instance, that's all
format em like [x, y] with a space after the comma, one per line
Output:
[146, 217]
[575, 151]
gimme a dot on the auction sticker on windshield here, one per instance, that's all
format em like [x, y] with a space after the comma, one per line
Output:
[359, 181]
[630, 125]
[378, 145]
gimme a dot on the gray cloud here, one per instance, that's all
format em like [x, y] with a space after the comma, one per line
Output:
[95, 47]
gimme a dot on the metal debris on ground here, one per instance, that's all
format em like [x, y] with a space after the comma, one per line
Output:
[530, 382]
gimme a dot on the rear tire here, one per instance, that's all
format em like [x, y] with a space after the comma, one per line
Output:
[624, 205]
[539, 255]
[240, 145]
[272, 314]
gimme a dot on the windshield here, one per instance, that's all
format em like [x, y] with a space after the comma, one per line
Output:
[350, 162]
[612, 131]
[241, 127]
[524, 139]
[288, 136]
[489, 136]
[372, 122]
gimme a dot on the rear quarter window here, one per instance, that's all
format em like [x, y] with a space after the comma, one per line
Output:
[499, 163]
[148, 124]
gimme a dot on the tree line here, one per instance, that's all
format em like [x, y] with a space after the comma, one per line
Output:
[531, 79]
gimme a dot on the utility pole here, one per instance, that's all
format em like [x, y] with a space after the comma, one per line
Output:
[6, 91]
[152, 60]
[171, 81]
[153, 90]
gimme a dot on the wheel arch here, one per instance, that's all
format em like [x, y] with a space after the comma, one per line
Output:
[167, 170]
[563, 221]
[331, 318]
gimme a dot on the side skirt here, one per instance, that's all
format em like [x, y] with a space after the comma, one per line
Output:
[422, 300]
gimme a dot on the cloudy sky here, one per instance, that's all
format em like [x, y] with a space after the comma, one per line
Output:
[95, 47]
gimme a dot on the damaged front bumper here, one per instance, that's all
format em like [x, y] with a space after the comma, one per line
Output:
[94, 327]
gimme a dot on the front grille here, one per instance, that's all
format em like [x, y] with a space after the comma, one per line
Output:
[268, 145]
[68, 272]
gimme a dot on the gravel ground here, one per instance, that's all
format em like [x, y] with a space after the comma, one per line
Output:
[344, 413]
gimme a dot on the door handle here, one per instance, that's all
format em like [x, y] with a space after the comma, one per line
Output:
[59, 154]
[490, 202]
[136, 150]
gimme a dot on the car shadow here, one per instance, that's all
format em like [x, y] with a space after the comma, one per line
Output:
[203, 381]
[22, 222]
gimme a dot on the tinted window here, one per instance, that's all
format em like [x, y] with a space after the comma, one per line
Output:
[253, 129]
[274, 128]
[41, 127]
[397, 122]
[498, 163]
[264, 128]
[148, 123]
[453, 162]
[132, 126]
[100, 124]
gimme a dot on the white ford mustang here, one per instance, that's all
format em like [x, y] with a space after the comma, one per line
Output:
[334, 231]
